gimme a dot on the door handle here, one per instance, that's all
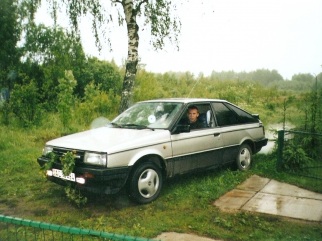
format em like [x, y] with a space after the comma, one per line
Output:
[216, 134]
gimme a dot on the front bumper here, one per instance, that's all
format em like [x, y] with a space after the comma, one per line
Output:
[97, 179]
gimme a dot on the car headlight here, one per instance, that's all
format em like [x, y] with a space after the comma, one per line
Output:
[47, 150]
[93, 158]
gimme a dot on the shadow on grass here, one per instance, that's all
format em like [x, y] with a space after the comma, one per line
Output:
[176, 188]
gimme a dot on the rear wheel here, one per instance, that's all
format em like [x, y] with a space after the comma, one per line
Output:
[244, 158]
[145, 183]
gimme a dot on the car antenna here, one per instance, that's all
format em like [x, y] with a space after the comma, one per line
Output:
[193, 87]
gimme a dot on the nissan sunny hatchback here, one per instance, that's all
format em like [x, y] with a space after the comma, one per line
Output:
[154, 140]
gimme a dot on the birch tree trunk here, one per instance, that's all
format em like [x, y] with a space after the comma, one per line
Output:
[132, 57]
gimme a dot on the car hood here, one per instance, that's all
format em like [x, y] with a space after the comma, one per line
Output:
[111, 140]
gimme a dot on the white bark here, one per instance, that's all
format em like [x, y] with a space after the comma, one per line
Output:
[133, 56]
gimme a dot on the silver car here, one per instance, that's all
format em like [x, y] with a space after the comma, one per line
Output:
[154, 140]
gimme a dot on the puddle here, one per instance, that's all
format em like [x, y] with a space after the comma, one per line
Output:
[271, 134]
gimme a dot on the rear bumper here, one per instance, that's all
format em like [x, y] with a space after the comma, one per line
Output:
[97, 180]
[260, 144]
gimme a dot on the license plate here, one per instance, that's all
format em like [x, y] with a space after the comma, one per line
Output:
[59, 173]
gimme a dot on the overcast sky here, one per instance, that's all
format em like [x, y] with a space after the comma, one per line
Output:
[239, 35]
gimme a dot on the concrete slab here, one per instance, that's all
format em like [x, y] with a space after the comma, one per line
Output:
[287, 206]
[275, 187]
[254, 183]
[263, 195]
[234, 200]
[171, 236]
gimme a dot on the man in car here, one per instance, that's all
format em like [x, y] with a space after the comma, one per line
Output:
[193, 114]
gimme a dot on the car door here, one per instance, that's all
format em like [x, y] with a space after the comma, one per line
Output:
[199, 148]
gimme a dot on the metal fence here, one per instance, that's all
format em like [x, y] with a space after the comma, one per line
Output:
[17, 229]
[300, 153]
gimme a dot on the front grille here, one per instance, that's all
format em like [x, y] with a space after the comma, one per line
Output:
[59, 152]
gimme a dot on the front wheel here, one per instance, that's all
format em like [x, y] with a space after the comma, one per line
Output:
[145, 183]
[244, 158]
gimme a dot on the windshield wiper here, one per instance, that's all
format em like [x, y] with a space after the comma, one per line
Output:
[140, 127]
[116, 125]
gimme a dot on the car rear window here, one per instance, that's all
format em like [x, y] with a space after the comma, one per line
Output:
[227, 114]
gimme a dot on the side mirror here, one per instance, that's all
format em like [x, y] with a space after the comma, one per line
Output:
[181, 129]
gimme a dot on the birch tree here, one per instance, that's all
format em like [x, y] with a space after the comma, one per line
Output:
[157, 16]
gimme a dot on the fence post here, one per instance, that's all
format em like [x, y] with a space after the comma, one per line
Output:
[280, 146]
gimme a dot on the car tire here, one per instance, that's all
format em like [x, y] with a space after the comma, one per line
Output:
[145, 183]
[244, 158]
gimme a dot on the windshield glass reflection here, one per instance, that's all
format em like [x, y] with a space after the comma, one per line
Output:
[154, 115]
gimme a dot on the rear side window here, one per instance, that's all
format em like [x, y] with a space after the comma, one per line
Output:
[224, 116]
[243, 116]
[227, 115]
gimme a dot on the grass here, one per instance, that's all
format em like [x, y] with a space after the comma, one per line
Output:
[185, 204]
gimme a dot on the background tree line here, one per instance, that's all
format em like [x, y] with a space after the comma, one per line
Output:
[45, 70]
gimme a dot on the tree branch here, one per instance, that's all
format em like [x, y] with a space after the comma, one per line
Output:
[137, 9]
[117, 1]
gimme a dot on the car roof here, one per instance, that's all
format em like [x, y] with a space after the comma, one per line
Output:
[185, 100]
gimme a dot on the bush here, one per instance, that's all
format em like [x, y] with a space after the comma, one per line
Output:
[295, 158]
[24, 103]
[96, 103]
[5, 111]
[66, 98]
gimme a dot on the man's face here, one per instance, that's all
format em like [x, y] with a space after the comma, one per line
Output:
[193, 115]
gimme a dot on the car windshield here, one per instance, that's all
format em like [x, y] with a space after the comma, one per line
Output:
[154, 115]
